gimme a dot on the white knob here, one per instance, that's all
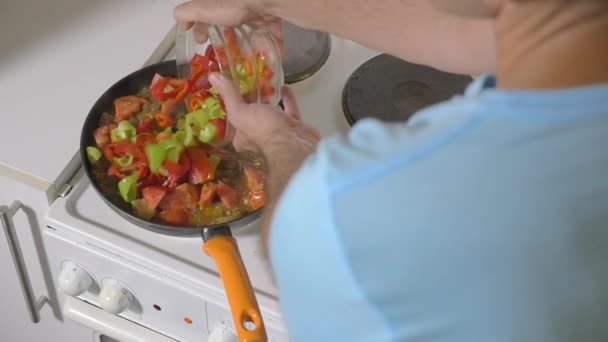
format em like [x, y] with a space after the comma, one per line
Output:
[73, 279]
[114, 296]
[222, 333]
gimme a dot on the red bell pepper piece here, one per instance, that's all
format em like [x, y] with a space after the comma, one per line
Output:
[162, 90]
[220, 125]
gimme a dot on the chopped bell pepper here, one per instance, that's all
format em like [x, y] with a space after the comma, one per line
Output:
[162, 90]
[124, 131]
[163, 120]
[220, 125]
[93, 154]
[170, 149]
[124, 161]
[214, 108]
[208, 133]
[128, 188]
[195, 121]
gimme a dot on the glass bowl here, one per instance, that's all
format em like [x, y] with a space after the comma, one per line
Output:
[248, 55]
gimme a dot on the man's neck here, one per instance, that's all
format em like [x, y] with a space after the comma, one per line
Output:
[552, 44]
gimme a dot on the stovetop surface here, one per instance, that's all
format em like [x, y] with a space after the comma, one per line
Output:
[89, 220]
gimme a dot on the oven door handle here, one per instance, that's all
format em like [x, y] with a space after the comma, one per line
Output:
[33, 306]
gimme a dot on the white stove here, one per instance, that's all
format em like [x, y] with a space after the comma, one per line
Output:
[131, 284]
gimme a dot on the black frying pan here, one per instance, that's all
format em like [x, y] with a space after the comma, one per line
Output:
[218, 240]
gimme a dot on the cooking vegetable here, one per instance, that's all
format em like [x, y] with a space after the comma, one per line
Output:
[128, 188]
[166, 166]
[93, 154]
[124, 161]
[208, 133]
[153, 195]
[124, 131]
[170, 149]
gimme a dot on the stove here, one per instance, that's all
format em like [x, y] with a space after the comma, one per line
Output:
[154, 287]
[131, 284]
[392, 90]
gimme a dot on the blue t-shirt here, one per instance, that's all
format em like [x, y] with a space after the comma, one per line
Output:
[484, 218]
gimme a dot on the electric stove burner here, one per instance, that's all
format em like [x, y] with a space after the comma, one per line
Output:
[390, 89]
[305, 52]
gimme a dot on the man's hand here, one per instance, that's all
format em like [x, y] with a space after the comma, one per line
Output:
[281, 136]
[202, 13]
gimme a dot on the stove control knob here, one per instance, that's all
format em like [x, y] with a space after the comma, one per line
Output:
[222, 333]
[114, 296]
[73, 279]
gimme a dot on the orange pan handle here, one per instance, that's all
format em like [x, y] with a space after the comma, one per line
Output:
[222, 247]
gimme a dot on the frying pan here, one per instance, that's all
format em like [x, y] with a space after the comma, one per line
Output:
[218, 242]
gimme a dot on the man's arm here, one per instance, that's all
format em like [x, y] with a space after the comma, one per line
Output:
[409, 29]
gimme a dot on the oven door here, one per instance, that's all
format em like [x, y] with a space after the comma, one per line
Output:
[109, 327]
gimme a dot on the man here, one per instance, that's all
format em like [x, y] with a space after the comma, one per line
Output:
[483, 219]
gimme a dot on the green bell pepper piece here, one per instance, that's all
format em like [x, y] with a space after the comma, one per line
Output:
[214, 91]
[93, 154]
[124, 161]
[214, 108]
[128, 188]
[195, 121]
[168, 149]
[156, 156]
[214, 161]
[124, 131]
[208, 133]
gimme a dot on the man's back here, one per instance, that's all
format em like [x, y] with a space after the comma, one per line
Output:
[483, 219]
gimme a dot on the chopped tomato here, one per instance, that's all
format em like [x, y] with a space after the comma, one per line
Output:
[208, 193]
[185, 196]
[210, 53]
[153, 195]
[102, 135]
[229, 196]
[254, 177]
[144, 139]
[176, 217]
[200, 171]
[177, 171]
[120, 149]
[162, 90]
[126, 106]
[152, 179]
[199, 62]
[256, 199]
[114, 171]
[146, 125]
[220, 125]
[142, 209]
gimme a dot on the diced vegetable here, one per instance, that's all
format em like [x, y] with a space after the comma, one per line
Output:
[102, 135]
[146, 125]
[208, 193]
[220, 126]
[256, 199]
[128, 188]
[126, 106]
[229, 196]
[195, 121]
[124, 131]
[254, 178]
[208, 133]
[124, 161]
[142, 209]
[93, 154]
[170, 149]
[176, 172]
[214, 162]
[153, 195]
[200, 170]
[185, 196]
[176, 217]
